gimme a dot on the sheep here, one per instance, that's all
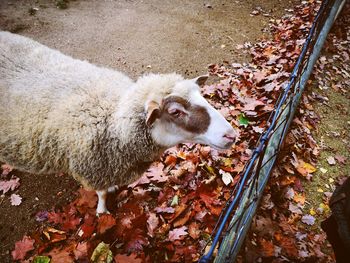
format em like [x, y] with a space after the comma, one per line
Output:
[59, 114]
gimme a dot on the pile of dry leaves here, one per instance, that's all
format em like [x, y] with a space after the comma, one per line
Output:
[168, 215]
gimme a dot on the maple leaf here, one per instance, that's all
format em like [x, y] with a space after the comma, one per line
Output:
[251, 104]
[105, 222]
[16, 200]
[295, 209]
[6, 169]
[165, 210]
[60, 256]
[331, 160]
[11, 184]
[137, 241]
[194, 231]
[268, 249]
[308, 219]
[156, 173]
[341, 159]
[66, 219]
[87, 198]
[81, 250]
[132, 258]
[22, 247]
[152, 223]
[102, 254]
[304, 168]
[41, 216]
[177, 233]
[242, 120]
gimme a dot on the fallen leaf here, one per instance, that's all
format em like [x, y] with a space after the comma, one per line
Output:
[268, 249]
[22, 248]
[242, 120]
[152, 223]
[165, 210]
[323, 170]
[194, 231]
[305, 168]
[308, 219]
[61, 256]
[102, 254]
[177, 233]
[295, 209]
[331, 160]
[6, 169]
[132, 258]
[105, 222]
[16, 200]
[81, 250]
[11, 184]
[41, 259]
[226, 177]
[341, 159]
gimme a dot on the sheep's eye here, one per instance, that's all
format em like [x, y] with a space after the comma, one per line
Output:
[176, 113]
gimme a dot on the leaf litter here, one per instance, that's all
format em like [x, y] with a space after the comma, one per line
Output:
[169, 214]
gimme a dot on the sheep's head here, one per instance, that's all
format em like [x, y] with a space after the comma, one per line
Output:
[183, 115]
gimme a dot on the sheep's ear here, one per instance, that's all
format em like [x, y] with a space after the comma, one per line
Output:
[152, 112]
[200, 81]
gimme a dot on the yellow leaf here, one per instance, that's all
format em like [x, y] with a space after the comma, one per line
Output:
[312, 212]
[299, 198]
[308, 167]
[305, 168]
[320, 190]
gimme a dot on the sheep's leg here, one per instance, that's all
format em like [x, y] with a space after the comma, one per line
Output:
[102, 199]
[101, 205]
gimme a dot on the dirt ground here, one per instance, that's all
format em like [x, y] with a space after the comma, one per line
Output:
[131, 36]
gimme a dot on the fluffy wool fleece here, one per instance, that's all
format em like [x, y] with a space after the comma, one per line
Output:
[59, 114]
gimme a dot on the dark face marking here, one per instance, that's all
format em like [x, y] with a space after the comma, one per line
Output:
[196, 119]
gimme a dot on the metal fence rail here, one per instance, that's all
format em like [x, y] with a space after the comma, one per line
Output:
[235, 220]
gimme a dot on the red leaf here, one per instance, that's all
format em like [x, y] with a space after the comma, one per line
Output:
[11, 184]
[177, 233]
[152, 223]
[87, 198]
[105, 222]
[81, 250]
[268, 249]
[137, 241]
[22, 247]
[194, 230]
[132, 258]
[61, 256]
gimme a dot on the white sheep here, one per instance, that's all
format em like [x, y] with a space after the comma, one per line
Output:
[59, 114]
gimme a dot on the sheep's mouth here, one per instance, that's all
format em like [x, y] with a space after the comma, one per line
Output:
[220, 148]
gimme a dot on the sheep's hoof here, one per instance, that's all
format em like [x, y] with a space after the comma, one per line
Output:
[99, 213]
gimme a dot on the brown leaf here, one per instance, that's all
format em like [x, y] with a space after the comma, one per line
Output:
[152, 223]
[132, 258]
[105, 222]
[341, 159]
[177, 233]
[194, 231]
[22, 248]
[267, 248]
[81, 250]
